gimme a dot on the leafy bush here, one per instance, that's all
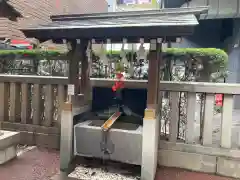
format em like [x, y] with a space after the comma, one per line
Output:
[206, 64]
[216, 56]
[40, 54]
[201, 64]
[213, 61]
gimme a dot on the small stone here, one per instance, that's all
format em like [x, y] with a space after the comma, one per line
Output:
[93, 173]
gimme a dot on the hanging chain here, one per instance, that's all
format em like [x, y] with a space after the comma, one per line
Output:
[107, 147]
[103, 145]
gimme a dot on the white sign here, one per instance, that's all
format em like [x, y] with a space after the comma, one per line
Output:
[144, 1]
[136, 5]
[71, 89]
[134, 1]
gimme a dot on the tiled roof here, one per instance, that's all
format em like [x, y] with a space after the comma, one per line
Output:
[128, 21]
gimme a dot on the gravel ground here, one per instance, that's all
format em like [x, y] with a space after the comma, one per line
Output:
[35, 164]
[85, 173]
[95, 170]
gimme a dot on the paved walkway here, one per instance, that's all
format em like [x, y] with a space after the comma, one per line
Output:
[36, 164]
[180, 174]
[41, 164]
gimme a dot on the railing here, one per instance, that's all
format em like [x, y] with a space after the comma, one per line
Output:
[33, 104]
[210, 141]
[207, 91]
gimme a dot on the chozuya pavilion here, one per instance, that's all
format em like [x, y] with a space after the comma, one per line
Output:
[132, 143]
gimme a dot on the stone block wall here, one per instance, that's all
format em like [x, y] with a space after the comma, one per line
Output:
[225, 162]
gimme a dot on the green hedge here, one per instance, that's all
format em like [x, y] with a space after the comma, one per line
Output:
[36, 54]
[211, 54]
[214, 56]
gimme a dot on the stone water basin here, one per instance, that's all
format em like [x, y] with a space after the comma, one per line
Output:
[125, 138]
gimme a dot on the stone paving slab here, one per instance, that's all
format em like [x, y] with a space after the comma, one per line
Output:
[43, 164]
[165, 173]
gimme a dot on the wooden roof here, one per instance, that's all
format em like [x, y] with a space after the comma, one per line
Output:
[118, 25]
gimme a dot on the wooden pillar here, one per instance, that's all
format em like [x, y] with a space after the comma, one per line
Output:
[151, 119]
[153, 78]
[77, 55]
[84, 72]
[74, 106]
[83, 85]
[74, 56]
[66, 145]
[85, 76]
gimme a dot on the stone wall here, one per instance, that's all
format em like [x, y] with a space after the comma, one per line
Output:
[200, 158]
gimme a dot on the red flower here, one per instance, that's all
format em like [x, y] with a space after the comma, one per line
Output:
[119, 84]
[114, 88]
[119, 75]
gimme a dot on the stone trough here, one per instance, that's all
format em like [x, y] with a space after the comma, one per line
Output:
[8, 145]
[125, 141]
